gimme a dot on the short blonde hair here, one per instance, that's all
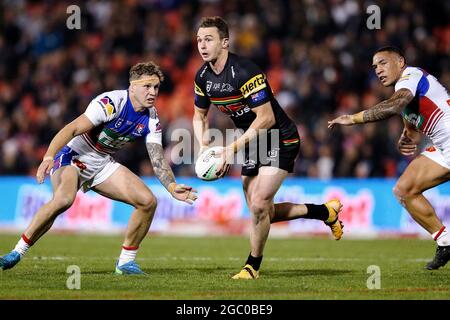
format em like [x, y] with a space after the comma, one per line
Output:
[145, 68]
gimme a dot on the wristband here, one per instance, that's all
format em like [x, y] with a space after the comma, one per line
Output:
[358, 117]
[171, 187]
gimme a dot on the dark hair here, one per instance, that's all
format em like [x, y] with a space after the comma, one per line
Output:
[390, 49]
[218, 22]
[145, 68]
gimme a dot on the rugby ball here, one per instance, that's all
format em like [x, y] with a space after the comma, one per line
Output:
[207, 162]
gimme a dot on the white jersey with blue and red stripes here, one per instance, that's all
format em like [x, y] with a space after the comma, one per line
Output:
[116, 123]
[429, 111]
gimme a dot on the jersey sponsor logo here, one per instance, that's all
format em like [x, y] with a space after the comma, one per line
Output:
[229, 109]
[109, 141]
[241, 112]
[198, 91]
[216, 86]
[208, 85]
[415, 119]
[253, 85]
[107, 105]
[258, 96]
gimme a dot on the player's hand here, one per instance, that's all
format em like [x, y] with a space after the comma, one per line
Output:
[226, 156]
[406, 146]
[345, 120]
[44, 169]
[183, 193]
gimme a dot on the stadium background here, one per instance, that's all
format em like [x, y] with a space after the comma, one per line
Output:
[317, 55]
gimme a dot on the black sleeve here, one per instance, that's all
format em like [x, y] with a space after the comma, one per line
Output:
[253, 84]
[201, 100]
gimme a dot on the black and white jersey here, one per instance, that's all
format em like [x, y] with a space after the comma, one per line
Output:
[240, 87]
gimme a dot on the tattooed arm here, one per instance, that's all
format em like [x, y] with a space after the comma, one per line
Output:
[383, 110]
[162, 169]
[165, 175]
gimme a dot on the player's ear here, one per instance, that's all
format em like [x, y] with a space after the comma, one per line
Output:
[225, 43]
[401, 61]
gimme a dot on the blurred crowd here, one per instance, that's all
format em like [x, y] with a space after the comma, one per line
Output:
[317, 56]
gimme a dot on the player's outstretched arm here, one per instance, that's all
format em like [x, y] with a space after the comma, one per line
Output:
[165, 175]
[78, 126]
[383, 110]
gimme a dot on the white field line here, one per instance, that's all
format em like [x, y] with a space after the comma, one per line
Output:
[62, 258]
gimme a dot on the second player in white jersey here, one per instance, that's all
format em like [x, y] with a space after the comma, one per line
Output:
[424, 104]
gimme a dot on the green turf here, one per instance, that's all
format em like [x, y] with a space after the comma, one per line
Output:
[200, 268]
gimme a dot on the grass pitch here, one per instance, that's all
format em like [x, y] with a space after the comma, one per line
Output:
[200, 268]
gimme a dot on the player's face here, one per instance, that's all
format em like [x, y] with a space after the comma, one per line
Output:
[145, 90]
[388, 67]
[209, 43]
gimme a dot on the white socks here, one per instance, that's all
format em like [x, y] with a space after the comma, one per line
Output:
[128, 254]
[442, 237]
[22, 246]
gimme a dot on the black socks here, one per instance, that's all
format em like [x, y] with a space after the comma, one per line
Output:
[254, 262]
[316, 211]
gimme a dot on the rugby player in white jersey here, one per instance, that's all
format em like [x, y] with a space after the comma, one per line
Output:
[424, 104]
[80, 156]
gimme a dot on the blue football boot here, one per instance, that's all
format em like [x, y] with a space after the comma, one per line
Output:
[129, 268]
[9, 260]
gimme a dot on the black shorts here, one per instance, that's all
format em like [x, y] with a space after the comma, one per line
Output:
[281, 154]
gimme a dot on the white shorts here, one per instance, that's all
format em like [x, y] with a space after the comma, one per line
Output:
[437, 156]
[93, 169]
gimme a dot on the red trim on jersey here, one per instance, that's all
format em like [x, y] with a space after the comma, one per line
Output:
[435, 123]
[227, 98]
[429, 110]
[439, 233]
[27, 241]
[130, 248]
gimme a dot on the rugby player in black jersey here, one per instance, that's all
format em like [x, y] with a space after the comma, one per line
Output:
[238, 88]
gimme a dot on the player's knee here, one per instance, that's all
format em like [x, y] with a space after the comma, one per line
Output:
[62, 202]
[260, 207]
[404, 190]
[148, 203]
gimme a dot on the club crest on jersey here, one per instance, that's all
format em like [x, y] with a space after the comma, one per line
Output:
[107, 105]
[139, 129]
[226, 87]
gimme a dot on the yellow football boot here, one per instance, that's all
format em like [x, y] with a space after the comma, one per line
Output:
[334, 207]
[247, 273]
